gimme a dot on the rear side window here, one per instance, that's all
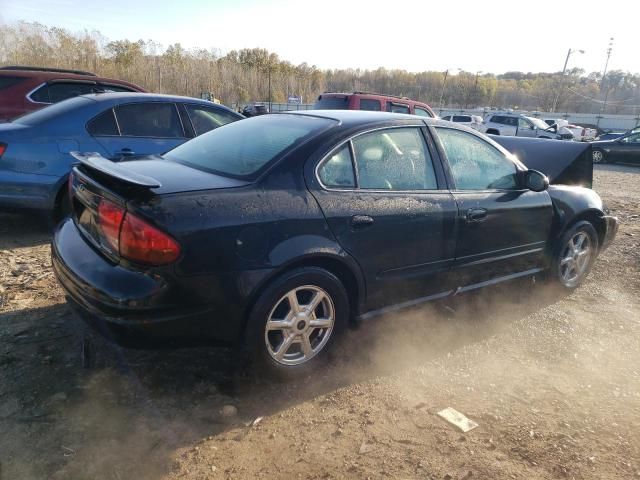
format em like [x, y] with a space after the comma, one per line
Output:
[421, 112]
[337, 170]
[103, 125]
[159, 120]
[370, 105]
[461, 118]
[6, 82]
[397, 107]
[243, 149]
[394, 159]
[331, 103]
[56, 92]
[205, 119]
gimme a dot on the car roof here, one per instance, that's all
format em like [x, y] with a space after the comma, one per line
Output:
[361, 117]
[49, 75]
[147, 97]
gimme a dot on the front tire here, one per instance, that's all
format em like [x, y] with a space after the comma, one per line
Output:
[598, 156]
[574, 255]
[295, 322]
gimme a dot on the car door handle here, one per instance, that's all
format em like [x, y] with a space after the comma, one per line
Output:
[361, 221]
[476, 214]
[126, 151]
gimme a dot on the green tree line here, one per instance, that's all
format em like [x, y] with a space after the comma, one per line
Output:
[241, 76]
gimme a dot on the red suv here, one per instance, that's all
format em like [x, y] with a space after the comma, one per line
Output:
[372, 101]
[25, 89]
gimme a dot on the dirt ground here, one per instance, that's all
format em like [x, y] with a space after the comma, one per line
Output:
[553, 380]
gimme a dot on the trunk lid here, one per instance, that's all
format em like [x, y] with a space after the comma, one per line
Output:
[96, 180]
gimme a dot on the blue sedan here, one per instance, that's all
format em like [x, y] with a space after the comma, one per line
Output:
[35, 158]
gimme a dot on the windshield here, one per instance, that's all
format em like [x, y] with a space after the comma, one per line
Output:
[242, 149]
[538, 123]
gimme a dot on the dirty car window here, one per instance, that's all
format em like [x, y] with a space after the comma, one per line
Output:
[476, 164]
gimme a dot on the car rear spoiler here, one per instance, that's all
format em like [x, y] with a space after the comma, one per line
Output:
[563, 162]
[95, 161]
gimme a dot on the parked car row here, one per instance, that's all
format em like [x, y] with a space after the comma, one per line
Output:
[517, 124]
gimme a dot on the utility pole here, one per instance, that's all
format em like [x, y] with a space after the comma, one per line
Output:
[564, 69]
[602, 82]
[444, 82]
[475, 86]
[269, 88]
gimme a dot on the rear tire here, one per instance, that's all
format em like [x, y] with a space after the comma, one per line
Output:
[295, 322]
[574, 255]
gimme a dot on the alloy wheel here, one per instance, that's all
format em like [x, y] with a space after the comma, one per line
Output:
[575, 258]
[597, 156]
[299, 325]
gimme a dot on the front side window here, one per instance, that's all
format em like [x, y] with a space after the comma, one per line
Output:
[461, 118]
[394, 159]
[107, 88]
[243, 149]
[397, 107]
[476, 164]
[524, 124]
[635, 138]
[337, 170]
[370, 105]
[205, 119]
[156, 120]
[421, 112]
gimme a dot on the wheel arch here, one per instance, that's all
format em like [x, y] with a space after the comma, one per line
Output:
[342, 266]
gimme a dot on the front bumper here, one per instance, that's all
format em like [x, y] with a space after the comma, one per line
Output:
[139, 308]
[612, 224]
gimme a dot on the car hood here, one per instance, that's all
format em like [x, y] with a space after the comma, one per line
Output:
[567, 163]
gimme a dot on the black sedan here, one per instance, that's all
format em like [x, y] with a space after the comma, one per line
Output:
[623, 149]
[277, 232]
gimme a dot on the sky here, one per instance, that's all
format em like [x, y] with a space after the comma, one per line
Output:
[414, 35]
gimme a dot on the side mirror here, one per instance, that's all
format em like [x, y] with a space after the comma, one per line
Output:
[535, 181]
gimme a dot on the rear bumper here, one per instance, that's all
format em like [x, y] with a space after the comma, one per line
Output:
[141, 308]
[611, 230]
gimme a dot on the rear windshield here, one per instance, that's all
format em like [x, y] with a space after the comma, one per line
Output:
[51, 111]
[332, 103]
[243, 149]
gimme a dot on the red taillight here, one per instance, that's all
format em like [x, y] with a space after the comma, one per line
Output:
[144, 243]
[3, 148]
[110, 218]
[134, 238]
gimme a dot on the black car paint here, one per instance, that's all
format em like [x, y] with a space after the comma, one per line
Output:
[236, 239]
